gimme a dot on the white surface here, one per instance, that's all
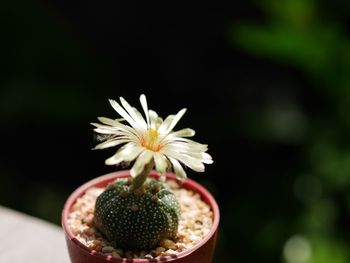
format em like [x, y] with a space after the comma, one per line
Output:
[25, 239]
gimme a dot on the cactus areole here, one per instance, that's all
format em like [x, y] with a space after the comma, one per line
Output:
[139, 212]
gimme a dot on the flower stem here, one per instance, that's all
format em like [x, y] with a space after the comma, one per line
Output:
[140, 179]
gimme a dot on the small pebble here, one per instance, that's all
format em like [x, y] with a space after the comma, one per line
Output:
[107, 249]
[170, 252]
[89, 219]
[89, 231]
[168, 244]
[173, 184]
[149, 256]
[158, 251]
[96, 245]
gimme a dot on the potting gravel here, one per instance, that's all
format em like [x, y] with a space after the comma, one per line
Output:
[195, 223]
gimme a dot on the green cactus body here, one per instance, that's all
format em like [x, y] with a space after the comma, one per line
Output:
[135, 220]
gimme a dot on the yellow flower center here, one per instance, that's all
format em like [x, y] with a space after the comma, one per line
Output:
[149, 140]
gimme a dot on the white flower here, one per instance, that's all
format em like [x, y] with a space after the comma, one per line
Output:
[150, 140]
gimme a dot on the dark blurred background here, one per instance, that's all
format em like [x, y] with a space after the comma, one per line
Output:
[266, 84]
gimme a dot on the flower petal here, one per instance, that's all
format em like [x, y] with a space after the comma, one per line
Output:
[140, 116]
[126, 153]
[206, 158]
[154, 119]
[160, 162]
[179, 171]
[144, 158]
[109, 121]
[111, 143]
[133, 153]
[124, 114]
[178, 116]
[194, 153]
[143, 102]
[187, 145]
[165, 124]
[118, 127]
[189, 161]
[137, 118]
[103, 129]
[187, 132]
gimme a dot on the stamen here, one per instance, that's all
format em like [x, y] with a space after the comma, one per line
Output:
[149, 140]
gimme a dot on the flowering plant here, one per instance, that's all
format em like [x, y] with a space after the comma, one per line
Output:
[151, 142]
[141, 212]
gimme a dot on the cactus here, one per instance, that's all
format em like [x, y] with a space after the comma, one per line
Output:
[137, 220]
[139, 212]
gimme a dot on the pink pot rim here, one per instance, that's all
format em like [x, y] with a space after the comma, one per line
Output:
[125, 173]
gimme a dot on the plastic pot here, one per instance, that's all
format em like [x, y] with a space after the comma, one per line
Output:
[203, 252]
